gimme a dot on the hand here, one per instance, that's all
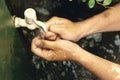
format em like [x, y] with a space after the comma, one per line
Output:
[54, 50]
[64, 28]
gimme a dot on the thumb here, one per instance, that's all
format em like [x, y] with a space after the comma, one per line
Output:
[45, 44]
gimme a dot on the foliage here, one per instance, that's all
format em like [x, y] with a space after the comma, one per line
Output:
[91, 3]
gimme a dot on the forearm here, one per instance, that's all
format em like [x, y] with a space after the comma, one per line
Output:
[108, 20]
[102, 68]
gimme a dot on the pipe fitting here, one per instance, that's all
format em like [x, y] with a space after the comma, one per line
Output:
[30, 21]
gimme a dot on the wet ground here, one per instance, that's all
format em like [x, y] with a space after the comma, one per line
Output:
[18, 63]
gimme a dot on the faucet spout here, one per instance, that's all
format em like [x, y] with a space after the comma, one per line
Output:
[30, 21]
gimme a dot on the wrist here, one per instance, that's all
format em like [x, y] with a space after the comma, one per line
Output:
[87, 27]
[83, 29]
[76, 55]
[81, 56]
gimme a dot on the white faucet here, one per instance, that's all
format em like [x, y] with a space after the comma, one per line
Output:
[30, 21]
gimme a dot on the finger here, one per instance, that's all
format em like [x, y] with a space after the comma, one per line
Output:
[36, 42]
[52, 38]
[58, 29]
[34, 47]
[53, 20]
[50, 35]
[44, 53]
[45, 44]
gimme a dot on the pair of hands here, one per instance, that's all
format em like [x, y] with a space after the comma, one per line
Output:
[58, 49]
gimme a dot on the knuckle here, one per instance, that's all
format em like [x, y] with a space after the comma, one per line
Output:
[43, 44]
[55, 17]
[49, 57]
[32, 49]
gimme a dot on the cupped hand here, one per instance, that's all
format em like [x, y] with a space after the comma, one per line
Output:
[54, 50]
[63, 28]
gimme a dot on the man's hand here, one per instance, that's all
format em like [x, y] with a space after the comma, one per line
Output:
[63, 28]
[54, 50]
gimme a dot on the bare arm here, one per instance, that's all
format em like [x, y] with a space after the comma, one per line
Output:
[54, 51]
[106, 21]
[102, 68]
[109, 20]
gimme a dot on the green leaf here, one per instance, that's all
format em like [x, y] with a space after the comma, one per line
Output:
[84, 0]
[91, 3]
[99, 0]
[107, 2]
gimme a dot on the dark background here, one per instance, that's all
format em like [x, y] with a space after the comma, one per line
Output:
[18, 63]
